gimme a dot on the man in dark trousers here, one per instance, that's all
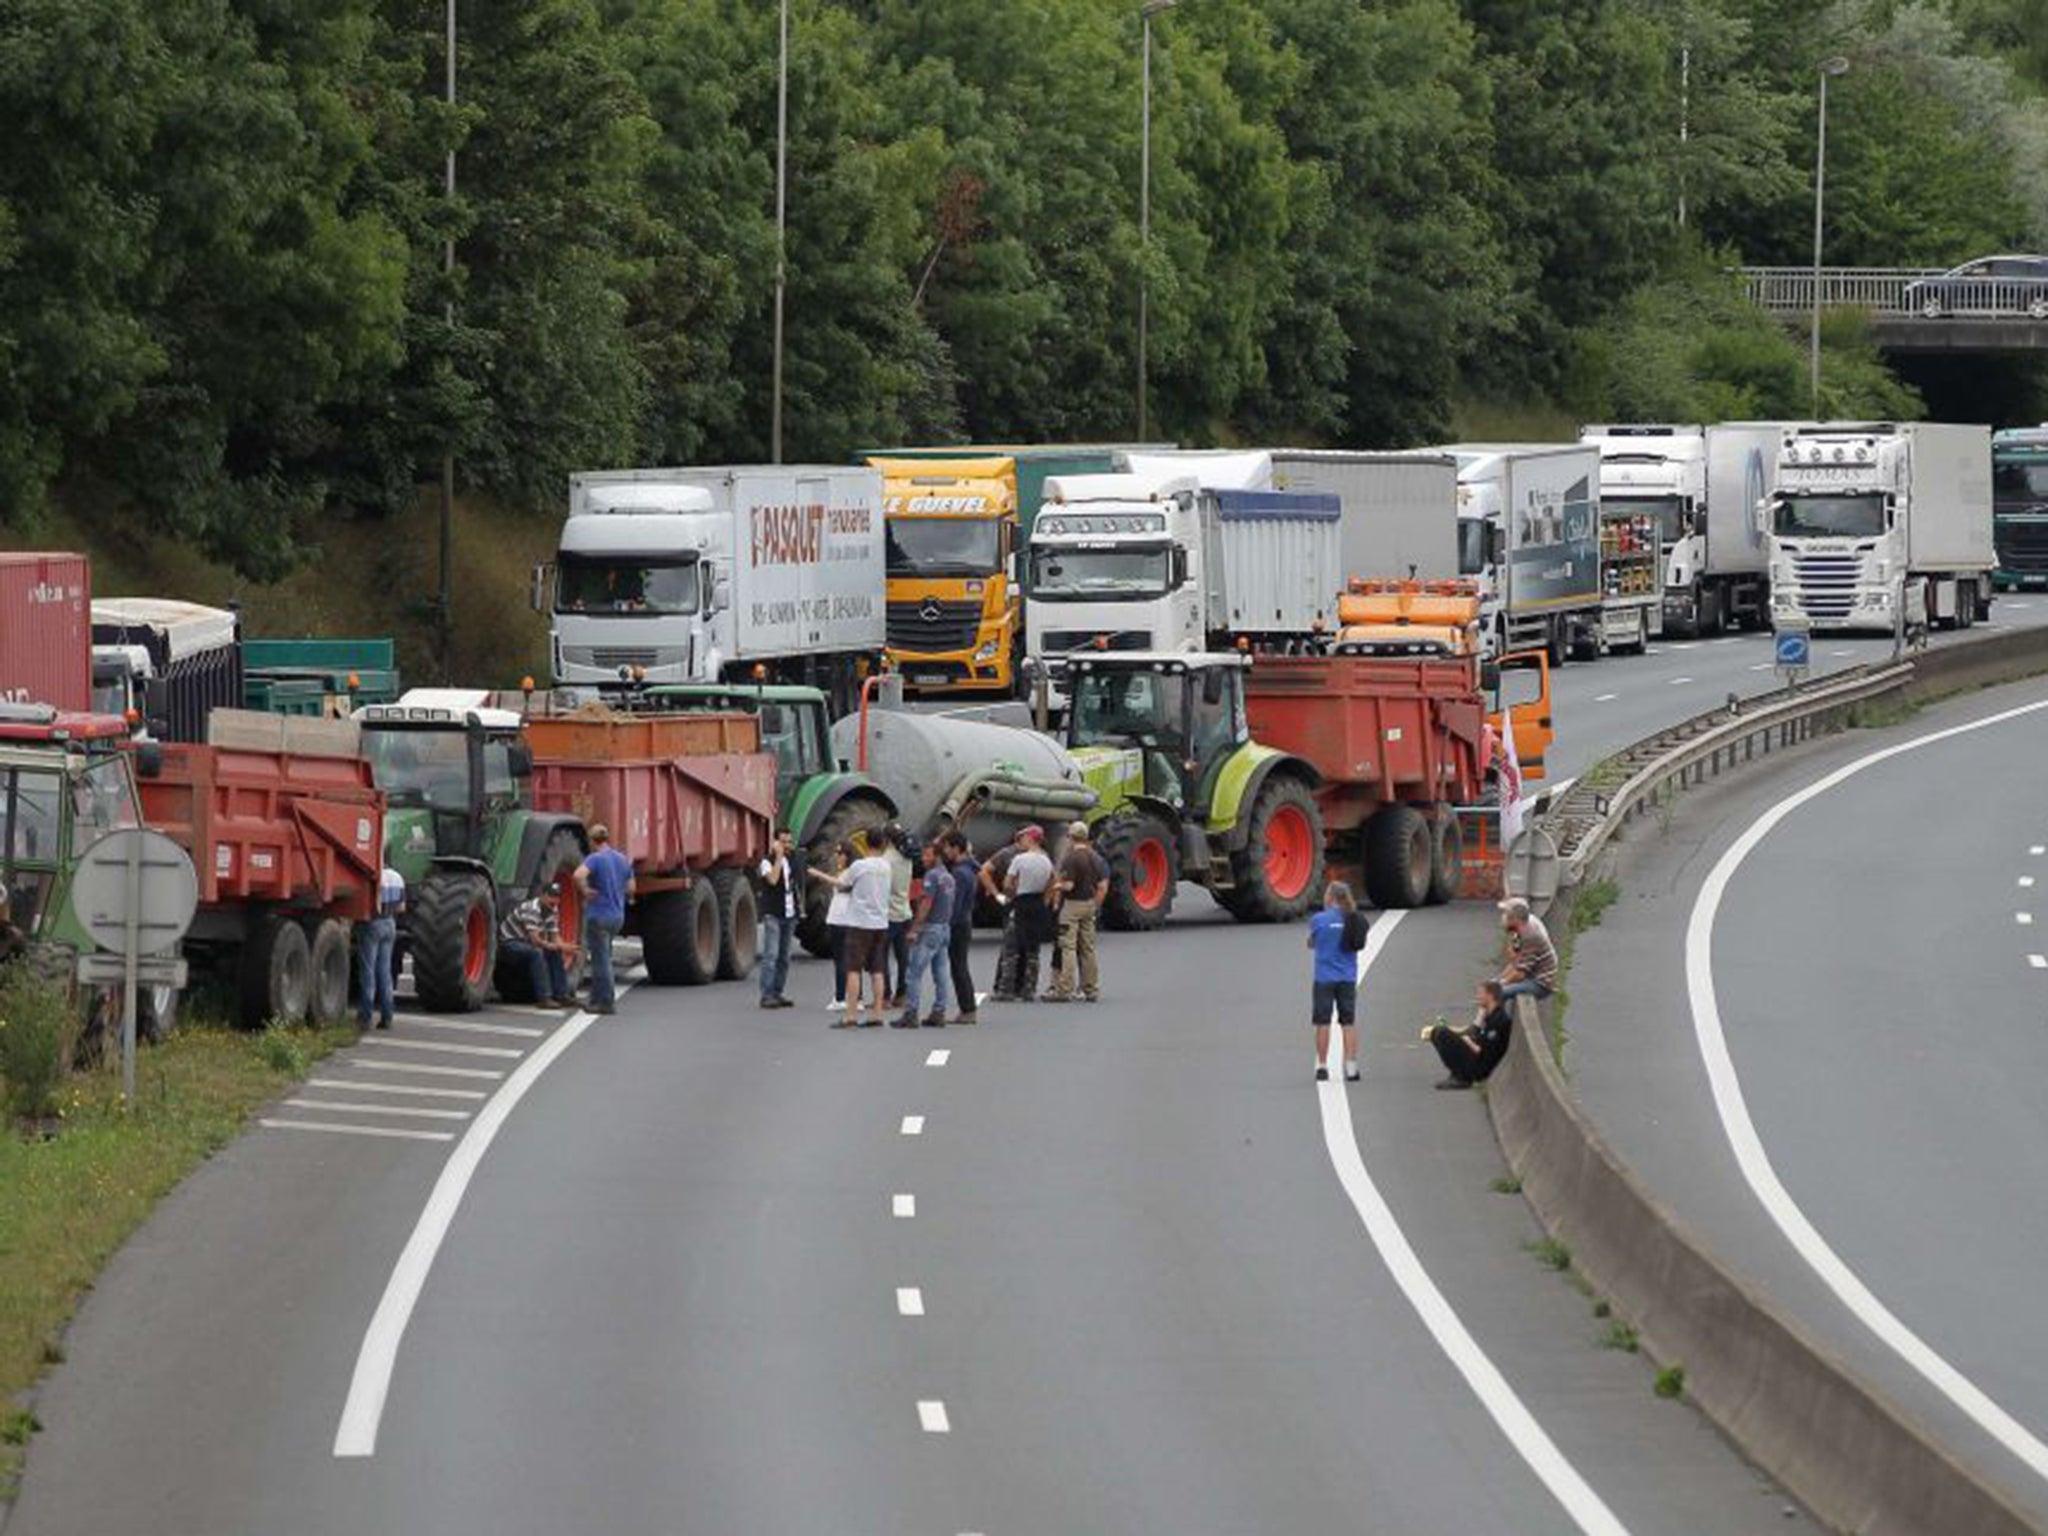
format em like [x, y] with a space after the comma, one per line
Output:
[994, 870]
[966, 872]
[781, 884]
[1470, 1055]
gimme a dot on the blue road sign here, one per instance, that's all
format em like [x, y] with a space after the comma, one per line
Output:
[1795, 648]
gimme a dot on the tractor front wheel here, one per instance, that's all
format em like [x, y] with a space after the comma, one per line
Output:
[1144, 871]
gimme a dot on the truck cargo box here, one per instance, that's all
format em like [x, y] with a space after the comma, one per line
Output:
[1400, 509]
[1950, 528]
[1278, 550]
[193, 659]
[46, 629]
[1742, 466]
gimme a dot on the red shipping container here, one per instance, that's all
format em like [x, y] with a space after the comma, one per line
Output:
[46, 629]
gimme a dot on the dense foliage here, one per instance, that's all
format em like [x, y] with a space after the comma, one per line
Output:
[222, 226]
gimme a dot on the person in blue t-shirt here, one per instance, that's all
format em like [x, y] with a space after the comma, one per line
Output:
[1336, 977]
[606, 880]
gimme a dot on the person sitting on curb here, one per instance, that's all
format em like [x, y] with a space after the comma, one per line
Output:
[1532, 959]
[531, 935]
[1470, 1055]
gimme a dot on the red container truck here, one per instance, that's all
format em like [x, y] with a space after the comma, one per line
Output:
[285, 828]
[46, 629]
[690, 798]
[1400, 743]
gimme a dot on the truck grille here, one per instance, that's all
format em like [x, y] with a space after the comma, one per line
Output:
[1827, 586]
[927, 626]
[612, 656]
[2023, 546]
[1058, 642]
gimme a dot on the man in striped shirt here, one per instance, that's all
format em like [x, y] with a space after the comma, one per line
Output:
[1532, 958]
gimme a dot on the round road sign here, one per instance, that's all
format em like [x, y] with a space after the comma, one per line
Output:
[166, 886]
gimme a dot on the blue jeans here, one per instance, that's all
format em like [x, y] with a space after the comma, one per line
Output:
[776, 931]
[1536, 989]
[376, 942]
[930, 953]
[603, 930]
[550, 974]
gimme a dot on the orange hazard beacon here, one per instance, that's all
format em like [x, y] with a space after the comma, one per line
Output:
[1399, 716]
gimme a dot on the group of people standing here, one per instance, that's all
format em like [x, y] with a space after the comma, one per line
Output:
[901, 917]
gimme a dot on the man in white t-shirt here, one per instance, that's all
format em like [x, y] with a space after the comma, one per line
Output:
[1028, 921]
[866, 882]
[376, 947]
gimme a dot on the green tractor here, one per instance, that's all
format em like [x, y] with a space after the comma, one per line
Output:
[462, 831]
[821, 801]
[1186, 794]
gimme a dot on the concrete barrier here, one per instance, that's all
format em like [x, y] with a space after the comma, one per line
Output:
[1804, 1416]
[1979, 662]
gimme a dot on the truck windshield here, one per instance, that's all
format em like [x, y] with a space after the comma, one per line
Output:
[1667, 510]
[944, 546]
[1058, 574]
[421, 767]
[1471, 546]
[2020, 479]
[1828, 517]
[626, 584]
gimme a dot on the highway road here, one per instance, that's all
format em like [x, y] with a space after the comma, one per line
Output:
[1090, 1269]
[1877, 957]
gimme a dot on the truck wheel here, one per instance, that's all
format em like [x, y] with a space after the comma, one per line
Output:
[739, 929]
[1446, 856]
[1399, 858]
[330, 964]
[1144, 871]
[454, 932]
[1278, 874]
[1557, 642]
[854, 814]
[277, 974]
[679, 936]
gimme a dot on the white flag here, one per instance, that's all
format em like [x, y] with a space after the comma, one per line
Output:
[1510, 785]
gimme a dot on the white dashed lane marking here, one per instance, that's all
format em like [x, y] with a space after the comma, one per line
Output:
[425, 1093]
[1605, 698]
[913, 1125]
[909, 1301]
[470, 1026]
[399, 1111]
[415, 1069]
[938, 1058]
[1677, 680]
[931, 1417]
[903, 1206]
[499, 1051]
[357, 1130]
[2038, 962]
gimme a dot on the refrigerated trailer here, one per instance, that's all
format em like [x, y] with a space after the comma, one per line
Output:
[1529, 533]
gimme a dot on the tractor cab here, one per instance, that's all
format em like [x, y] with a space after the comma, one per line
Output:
[1178, 716]
[65, 782]
[449, 763]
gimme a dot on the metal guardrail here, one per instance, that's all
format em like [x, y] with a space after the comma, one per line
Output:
[1599, 804]
[1882, 290]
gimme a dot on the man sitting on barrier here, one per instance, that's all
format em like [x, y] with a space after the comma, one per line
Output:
[1532, 958]
[1470, 1055]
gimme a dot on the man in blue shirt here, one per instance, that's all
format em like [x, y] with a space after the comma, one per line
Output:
[606, 880]
[1335, 989]
[966, 872]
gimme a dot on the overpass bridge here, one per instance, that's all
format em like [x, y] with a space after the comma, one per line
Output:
[2001, 317]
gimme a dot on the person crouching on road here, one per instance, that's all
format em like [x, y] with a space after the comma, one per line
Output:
[931, 928]
[606, 880]
[376, 951]
[531, 935]
[1083, 877]
[966, 874]
[866, 883]
[781, 889]
[1026, 883]
[1532, 959]
[1336, 935]
[1470, 1055]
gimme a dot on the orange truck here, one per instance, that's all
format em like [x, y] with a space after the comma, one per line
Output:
[953, 608]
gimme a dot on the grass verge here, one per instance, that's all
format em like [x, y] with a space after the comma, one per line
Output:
[69, 1200]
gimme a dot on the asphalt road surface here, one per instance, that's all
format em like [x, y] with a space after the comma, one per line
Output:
[706, 1279]
[1878, 974]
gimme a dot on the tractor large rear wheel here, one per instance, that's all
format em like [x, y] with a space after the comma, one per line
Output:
[453, 926]
[1399, 858]
[848, 817]
[1278, 874]
[679, 934]
[1144, 871]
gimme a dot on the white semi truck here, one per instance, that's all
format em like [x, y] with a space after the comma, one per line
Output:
[701, 575]
[1882, 525]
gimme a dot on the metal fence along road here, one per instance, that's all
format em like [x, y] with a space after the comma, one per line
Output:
[1891, 291]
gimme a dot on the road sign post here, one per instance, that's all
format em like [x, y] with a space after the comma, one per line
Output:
[135, 892]
[1793, 651]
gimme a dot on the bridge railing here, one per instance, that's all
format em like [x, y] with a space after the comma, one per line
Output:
[1889, 292]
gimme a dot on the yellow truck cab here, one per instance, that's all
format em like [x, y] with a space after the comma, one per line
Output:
[953, 607]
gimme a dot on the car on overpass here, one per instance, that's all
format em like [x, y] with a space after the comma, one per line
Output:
[1987, 288]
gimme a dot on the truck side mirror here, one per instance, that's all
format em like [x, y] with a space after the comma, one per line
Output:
[1180, 564]
[1489, 677]
[543, 578]
[149, 759]
[520, 760]
[1212, 686]
[717, 590]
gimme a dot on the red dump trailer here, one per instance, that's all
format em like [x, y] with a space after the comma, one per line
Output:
[1399, 742]
[285, 828]
[690, 798]
[45, 629]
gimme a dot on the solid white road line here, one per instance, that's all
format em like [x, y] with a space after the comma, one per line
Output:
[357, 1130]
[938, 1058]
[909, 1301]
[1748, 1146]
[913, 1125]
[414, 1070]
[931, 1417]
[475, 1027]
[425, 1093]
[1586, 1508]
[364, 1411]
[904, 1206]
[404, 1111]
[439, 1045]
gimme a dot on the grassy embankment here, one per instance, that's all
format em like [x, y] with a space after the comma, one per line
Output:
[71, 1194]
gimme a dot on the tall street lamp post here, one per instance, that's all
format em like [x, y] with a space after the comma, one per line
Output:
[781, 225]
[1146, 12]
[1831, 68]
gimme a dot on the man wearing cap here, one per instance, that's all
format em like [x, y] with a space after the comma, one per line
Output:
[1532, 959]
[1025, 887]
[606, 880]
[1083, 876]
